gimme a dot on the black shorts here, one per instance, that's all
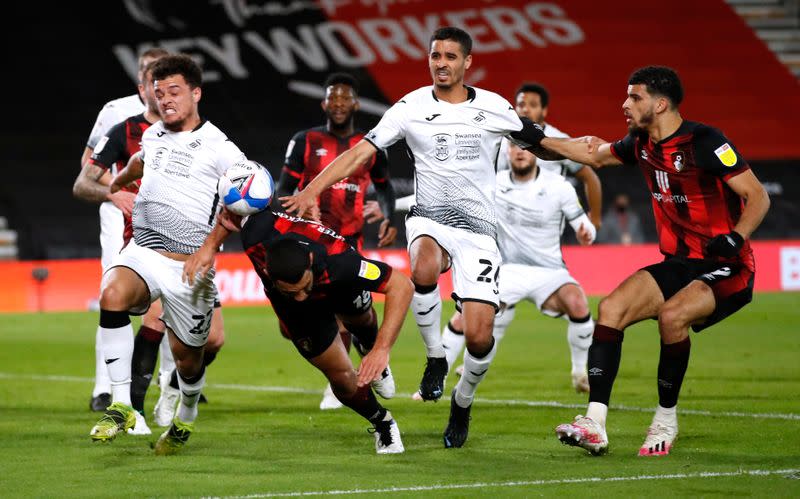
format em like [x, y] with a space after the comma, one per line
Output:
[732, 283]
[311, 324]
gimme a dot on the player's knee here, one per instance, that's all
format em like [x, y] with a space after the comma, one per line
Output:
[215, 341]
[113, 297]
[671, 317]
[611, 311]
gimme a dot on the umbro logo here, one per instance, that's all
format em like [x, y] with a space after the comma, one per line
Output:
[321, 152]
[431, 117]
[644, 155]
[595, 371]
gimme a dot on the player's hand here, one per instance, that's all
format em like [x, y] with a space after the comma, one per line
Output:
[596, 220]
[372, 212]
[372, 366]
[584, 236]
[198, 263]
[230, 221]
[592, 142]
[725, 245]
[122, 200]
[386, 234]
[302, 204]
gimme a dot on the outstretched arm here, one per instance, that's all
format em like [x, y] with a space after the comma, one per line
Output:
[594, 194]
[399, 291]
[583, 152]
[343, 166]
[386, 200]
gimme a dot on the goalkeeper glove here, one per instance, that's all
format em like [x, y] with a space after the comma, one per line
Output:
[725, 245]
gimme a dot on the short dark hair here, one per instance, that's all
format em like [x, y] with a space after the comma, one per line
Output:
[342, 79]
[287, 260]
[151, 53]
[455, 34]
[179, 64]
[536, 88]
[659, 80]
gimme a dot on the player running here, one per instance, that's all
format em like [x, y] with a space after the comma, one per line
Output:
[181, 160]
[453, 132]
[707, 203]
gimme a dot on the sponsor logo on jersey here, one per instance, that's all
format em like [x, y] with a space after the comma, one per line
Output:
[479, 117]
[678, 160]
[101, 144]
[321, 152]
[195, 144]
[441, 146]
[726, 154]
[369, 271]
[432, 117]
[671, 198]
[161, 133]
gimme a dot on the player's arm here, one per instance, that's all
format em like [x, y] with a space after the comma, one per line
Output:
[343, 166]
[201, 261]
[585, 231]
[88, 187]
[287, 183]
[594, 194]
[132, 172]
[586, 153]
[756, 202]
[384, 190]
[293, 166]
[398, 290]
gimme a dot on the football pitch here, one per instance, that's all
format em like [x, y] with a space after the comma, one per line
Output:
[262, 434]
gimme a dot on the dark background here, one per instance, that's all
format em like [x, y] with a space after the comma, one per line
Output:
[61, 68]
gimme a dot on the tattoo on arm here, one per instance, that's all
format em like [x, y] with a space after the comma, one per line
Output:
[88, 187]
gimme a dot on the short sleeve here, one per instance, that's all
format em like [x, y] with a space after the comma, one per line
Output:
[228, 155]
[716, 154]
[106, 118]
[110, 148]
[391, 128]
[294, 162]
[353, 270]
[625, 150]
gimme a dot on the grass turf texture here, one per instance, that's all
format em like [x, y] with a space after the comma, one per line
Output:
[263, 441]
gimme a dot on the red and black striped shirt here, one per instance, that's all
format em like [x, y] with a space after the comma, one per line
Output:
[341, 205]
[121, 142]
[336, 265]
[687, 173]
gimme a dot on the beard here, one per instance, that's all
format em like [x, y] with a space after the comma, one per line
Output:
[345, 124]
[522, 171]
[645, 121]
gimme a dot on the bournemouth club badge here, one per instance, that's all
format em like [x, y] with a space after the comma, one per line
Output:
[678, 160]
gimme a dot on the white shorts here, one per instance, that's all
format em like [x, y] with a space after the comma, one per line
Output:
[187, 309]
[112, 228]
[537, 284]
[475, 259]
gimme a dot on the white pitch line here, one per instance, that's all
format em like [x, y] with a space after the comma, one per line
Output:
[525, 483]
[526, 403]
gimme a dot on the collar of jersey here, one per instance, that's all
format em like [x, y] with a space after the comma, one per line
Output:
[470, 95]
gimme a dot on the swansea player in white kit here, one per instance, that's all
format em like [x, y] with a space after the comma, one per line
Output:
[111, 216]
[453, 132]
[181, 161]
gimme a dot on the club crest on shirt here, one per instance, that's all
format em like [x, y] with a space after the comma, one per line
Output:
[441, 146]
[678, 160]
[726, 154]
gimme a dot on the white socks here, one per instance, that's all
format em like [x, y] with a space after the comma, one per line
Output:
[190, 393]
[598, 412]
[167, 364]
[102, 383]
[667, 417]
[474, 372]
[579, 336]
[427, 310]
[118, 349]
[501, 323]
[453, 344]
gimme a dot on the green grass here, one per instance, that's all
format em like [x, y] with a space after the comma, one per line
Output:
[262, 442]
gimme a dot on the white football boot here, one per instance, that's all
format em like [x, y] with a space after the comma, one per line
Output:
[584, 432]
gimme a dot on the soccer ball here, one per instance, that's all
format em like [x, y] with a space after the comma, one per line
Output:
[246, 188]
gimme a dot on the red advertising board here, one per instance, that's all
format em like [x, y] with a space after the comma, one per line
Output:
[73, 284]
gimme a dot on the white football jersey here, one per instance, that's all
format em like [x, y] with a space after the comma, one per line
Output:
[112, 113]
[177, 203]
[562, 166]
[531, 218]
[454, 148]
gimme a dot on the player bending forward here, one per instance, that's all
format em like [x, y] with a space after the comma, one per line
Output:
[313, 277]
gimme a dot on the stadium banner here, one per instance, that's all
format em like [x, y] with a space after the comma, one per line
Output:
[72, 285]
